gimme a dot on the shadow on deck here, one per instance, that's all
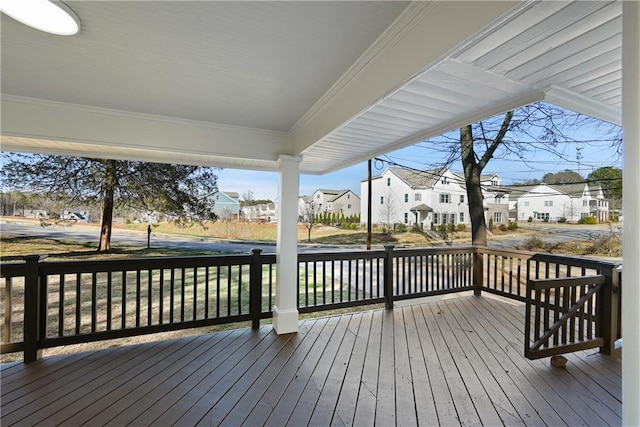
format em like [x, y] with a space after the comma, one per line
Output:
[450, 361]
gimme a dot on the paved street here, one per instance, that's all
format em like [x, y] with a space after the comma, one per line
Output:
[550, 233]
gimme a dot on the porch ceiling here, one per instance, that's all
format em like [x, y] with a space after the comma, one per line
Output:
[236, 84]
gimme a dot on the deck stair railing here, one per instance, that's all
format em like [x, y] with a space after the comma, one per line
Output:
[48, 304]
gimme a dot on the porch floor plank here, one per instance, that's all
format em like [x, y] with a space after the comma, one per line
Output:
[442, 361]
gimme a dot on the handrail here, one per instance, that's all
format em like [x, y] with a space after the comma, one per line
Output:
[82, 301]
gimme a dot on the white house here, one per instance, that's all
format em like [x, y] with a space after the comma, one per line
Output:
[263, 212]
[570, 202]
[340, 202]
[79, 216]
[439, 196]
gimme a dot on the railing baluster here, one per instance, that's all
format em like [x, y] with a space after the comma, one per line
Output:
[324, 282]
[315, 283]
[161, 297]
[94, 301]
[138, 291]
[78, 303]
[240, 289]
[8, 309]
[149, 297]
[349, 280]
[172, 289]
[61, 304]
[218, 291]
[195, 294]
[206, 292]
[229, 290]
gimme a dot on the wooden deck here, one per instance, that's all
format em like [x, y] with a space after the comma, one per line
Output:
[455, 361]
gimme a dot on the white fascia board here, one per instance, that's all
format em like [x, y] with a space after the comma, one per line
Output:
[581, 104]
[421, 37]
[113, 134]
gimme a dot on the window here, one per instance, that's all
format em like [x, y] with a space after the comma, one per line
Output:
[444, 198]
[497, 217]
[348, 206]
[494, 182]
[435, 218]
[548, 202]
[418, 197]
[499, 199]
[526, 203]
[348, 196]
[388, 182]
[444, 218]
[406, 217]
[382, 200]
[453, 218]
[406, 198]
[461, 218]
[584, 203]
[318, 196]
[445, 181]
[542, 216]
[462, 198]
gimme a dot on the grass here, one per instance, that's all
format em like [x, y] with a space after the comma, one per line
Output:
[16, 248]
[121, 290]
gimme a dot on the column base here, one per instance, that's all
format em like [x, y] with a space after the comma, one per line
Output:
[285, 321]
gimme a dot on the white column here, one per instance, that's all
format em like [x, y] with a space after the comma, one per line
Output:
[285, 310]
[631, 206]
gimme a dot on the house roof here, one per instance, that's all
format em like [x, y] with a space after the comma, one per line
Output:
[418, 180]
[237, 84]
[572, 190]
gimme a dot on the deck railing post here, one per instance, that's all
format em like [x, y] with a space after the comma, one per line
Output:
[607, 310]
[32, 305]
[478, 273]
[255, 288]
[388, 276]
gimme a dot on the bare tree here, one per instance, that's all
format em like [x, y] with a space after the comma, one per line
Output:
[387, 211]
[309, 217]
[518, 134]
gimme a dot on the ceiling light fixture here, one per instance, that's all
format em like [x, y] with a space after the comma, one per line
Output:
[52, 17]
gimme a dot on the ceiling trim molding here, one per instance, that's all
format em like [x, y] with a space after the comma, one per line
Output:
[138, 116]
[107, 131]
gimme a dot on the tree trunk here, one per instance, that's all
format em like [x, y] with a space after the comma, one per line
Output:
[107, 206]
[475, 198]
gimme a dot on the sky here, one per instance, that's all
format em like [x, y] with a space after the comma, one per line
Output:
[594, 152]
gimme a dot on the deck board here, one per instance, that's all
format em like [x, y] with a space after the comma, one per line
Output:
[448, 361]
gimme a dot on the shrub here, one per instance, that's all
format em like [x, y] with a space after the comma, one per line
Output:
[451, 228]
[461, 227]
[490, 223]
[513, 225]
[502, 227]
[532, 244]
[402, 228]
[608, 244]
[588, 220]
[530, 219]
[562, 220]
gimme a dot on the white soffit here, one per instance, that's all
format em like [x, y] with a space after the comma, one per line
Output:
[566, 53]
